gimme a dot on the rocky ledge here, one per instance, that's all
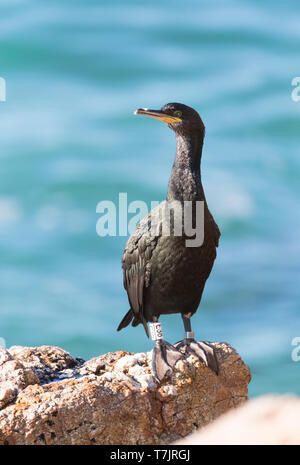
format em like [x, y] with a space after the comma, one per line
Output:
[49, 397]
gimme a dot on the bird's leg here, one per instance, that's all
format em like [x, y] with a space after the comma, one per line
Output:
[164, 355]
[202, 350]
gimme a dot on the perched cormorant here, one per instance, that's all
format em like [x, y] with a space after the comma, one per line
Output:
[162, 275]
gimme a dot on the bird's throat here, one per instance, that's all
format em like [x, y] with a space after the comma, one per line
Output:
[185, 180]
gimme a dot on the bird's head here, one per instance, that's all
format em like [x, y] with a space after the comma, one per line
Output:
[180, 118]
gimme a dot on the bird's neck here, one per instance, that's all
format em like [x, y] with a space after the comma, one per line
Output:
[185, 180]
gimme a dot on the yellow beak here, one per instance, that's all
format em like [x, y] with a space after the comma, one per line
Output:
[157, 114]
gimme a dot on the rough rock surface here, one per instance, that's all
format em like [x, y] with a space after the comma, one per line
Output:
[267, 420]
[48, 397]
[14, 377]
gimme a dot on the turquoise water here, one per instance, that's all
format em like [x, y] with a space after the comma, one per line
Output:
[75, 72]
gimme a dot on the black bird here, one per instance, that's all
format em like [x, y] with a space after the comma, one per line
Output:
[162, 275]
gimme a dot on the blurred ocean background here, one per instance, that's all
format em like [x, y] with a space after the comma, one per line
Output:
[75, 72]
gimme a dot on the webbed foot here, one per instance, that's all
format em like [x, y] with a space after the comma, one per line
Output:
[164, 357]
[203, 350]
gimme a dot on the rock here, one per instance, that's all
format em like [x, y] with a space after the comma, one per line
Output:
[113, 398]
[267, 420]
[14, 377]
[46, 362]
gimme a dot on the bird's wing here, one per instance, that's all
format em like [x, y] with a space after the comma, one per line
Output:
[136, 261]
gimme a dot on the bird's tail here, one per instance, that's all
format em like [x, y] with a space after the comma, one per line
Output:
[127, 319]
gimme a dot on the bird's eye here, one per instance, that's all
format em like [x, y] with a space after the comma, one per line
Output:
[177, 114]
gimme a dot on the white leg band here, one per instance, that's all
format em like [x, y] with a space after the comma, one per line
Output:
[189, 335]
[156, 331]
